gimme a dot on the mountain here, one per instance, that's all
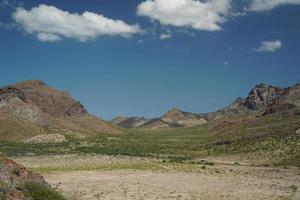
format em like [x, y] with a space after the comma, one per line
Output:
[263, 99]
[129, 122]
[175, 118]
[266, 99]
[30, 108]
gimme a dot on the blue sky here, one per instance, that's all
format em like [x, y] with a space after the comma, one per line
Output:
[158, 55]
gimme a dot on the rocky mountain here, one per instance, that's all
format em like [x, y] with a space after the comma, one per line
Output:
[35, 108]
[129, 122]
[266, 99]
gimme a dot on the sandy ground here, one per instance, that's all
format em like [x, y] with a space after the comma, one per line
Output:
[221, 181]
[137, 184]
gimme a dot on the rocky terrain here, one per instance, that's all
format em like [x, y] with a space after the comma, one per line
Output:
[33, 108]
[266, 99]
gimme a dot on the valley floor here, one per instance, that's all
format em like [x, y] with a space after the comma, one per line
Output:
[119, 177]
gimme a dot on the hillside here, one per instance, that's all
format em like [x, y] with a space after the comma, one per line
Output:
[17, 182]
[31, 108]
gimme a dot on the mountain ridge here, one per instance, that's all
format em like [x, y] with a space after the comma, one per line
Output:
[263, 99]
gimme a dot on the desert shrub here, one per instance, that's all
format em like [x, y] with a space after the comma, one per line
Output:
[3, 190]
[37, 191]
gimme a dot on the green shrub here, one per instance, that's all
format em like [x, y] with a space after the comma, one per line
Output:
[38, 191]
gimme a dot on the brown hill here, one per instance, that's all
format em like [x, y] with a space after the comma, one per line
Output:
[33, 108]
[175, 118]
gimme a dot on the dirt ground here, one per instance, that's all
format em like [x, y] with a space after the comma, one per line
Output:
[220, 181]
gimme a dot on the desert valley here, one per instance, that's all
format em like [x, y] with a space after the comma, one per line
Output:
[248, 150]
[149, 100]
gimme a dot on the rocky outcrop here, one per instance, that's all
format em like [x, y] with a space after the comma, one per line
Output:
[266, 99]
[263, 96]
[46, 138]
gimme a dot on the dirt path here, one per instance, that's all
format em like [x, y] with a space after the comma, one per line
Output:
[241, 183]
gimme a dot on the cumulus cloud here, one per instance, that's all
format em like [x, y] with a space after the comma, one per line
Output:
[262, 5]
[269, 46]
[165, 36]
[49, 23]
[201, 15]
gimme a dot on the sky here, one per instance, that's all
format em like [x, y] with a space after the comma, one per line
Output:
[144, 57]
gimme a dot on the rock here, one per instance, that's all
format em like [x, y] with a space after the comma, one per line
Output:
[263, 95]
[46, 138]
[297, 131]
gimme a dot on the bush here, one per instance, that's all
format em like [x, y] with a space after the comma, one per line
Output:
[38, 191]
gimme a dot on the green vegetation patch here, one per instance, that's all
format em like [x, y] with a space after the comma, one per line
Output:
[37, 191]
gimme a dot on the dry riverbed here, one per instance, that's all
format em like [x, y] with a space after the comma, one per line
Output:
[108, 177]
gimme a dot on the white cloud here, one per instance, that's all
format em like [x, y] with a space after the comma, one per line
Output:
[51, 24]
[262, 5]
[165, 36]
[269, 46]
[201, 15]
[48, 37]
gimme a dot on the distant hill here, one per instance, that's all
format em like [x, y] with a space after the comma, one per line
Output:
[30, 108]
[129, 122]
[173, 118]
[263, 99]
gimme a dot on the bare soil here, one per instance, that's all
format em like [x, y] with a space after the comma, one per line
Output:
[243, 183]
[124, 179]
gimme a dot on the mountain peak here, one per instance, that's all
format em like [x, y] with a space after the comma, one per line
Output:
[30, 84]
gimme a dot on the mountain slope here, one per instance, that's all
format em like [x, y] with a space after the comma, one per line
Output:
[35, 105]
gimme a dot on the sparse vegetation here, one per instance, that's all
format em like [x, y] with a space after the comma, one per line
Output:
[36, 191]
[271, 138]
[3, 190]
